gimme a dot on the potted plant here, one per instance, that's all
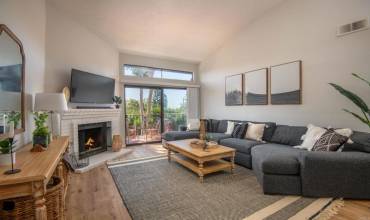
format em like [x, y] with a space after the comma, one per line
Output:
[5, 157]
[14, 117]
[41, 134]
[117, 100]
[364, 117]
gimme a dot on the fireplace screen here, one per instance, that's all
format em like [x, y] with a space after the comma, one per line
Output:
[94, 138]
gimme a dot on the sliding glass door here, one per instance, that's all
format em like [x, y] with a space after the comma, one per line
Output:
[151, 111]
[174, 109]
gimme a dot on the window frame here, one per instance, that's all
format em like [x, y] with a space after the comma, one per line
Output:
[160, 69]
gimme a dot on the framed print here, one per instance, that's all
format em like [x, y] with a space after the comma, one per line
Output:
[286, 83]
[255, 87]
[234, 90]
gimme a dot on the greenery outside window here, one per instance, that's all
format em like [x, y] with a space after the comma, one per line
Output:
[160, 73]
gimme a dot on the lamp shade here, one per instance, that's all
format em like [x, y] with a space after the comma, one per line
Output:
[55, 102]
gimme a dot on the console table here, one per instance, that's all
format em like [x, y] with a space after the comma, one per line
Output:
[37, 169]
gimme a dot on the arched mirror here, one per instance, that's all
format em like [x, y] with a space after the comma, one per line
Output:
[12, 66]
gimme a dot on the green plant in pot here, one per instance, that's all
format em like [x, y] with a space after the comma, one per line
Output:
[359, 102]
[5, 149]
[41, 134]
[117, 100]
[5, 146]
[14, 117]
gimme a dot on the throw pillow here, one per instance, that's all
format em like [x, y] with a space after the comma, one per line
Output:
[312, 135]
[255, 131]
[236, 131]
[329, 141]
[230, 127]
[193, 124]
[239, 130]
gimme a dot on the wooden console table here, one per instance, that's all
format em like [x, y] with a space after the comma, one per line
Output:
[37, 169]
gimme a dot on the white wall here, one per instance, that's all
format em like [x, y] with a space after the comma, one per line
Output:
[70, 45]
[27, 20]
[297, 29]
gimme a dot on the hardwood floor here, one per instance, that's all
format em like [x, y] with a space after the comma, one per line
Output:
[93, 195]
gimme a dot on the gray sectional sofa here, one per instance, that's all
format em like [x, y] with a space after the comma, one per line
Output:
[282, 169]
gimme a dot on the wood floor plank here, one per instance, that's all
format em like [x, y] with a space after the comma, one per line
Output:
[94, 195]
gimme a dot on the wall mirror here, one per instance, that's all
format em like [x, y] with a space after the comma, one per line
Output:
[12, 66]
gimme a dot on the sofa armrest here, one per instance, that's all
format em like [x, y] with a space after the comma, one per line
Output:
[336, 174]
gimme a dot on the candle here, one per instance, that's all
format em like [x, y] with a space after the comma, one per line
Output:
[11, 129]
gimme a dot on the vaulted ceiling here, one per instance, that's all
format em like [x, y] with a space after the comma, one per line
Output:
[180, 29]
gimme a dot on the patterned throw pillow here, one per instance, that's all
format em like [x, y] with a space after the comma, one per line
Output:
[239, 130]
[329, 141]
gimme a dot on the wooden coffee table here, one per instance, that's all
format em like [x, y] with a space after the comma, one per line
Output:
[200, 161]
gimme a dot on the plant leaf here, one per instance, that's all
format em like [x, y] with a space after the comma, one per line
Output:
[361, 78]
[351, 96]
[358, 117]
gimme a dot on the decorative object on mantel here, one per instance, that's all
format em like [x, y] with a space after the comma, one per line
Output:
[41, 134]
[255, 87]
[234, 90]
[117, 143]
[286, 83]
[8, 145]
[117, 100]
[67, 93]
[359, 102]
[51, 102]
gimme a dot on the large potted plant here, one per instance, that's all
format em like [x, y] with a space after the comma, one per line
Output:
[41, 134]
[364, 117]
[5, 157]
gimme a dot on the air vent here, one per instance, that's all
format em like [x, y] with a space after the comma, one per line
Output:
[353, 27]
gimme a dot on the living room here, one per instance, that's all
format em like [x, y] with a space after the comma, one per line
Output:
[177, 109]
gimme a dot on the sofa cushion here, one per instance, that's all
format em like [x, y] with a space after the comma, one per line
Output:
[180, 135]
[240, 145]
[289, 135]
[212, 125]
[218, 136]
[361, 142]
[222, 126]
[280, 165]
[267, 157]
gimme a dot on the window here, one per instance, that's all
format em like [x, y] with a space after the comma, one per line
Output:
[150, 72]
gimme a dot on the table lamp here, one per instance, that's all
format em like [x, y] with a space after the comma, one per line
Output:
[50, 102]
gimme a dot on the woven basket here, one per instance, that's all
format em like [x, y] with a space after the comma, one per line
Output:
[24, 207]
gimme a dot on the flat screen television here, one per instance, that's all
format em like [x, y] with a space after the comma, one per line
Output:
[91, 88]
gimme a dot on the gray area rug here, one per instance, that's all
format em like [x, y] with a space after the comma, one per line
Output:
[162, 190]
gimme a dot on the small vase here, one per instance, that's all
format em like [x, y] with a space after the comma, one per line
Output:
[42, 141]
[5, 159]
[117, 143]
[117, 106]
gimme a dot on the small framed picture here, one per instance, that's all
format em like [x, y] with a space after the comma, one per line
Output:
[234, 90]
[286, 83]
[255, 87]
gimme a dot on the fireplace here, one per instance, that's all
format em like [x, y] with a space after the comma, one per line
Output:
[94, 138]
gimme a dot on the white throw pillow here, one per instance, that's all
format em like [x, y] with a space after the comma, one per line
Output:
[230, 127]
[255, 131]
[347, 132]
[193, 124]
[312, 135]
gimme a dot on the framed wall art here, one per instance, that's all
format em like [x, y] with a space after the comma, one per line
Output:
[286, 83]
[234, 90]
[255, 87]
